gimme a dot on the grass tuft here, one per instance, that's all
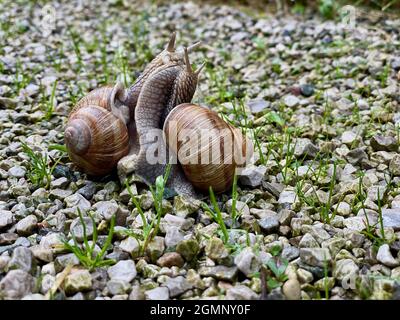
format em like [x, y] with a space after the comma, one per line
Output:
[85, 253]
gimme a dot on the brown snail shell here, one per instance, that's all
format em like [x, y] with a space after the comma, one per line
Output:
[208, 148]
[96, 135]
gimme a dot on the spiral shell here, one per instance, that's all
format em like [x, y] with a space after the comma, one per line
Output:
[208, 148]
[96, 138]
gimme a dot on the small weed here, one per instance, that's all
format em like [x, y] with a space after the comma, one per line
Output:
[76, 40]
[218, 80]
[216, 215]
[326, 209]
[59, 147]
[50, 104]
[326, 288]
[122, 65]
[384, 75]
[150, 230]
[21, 79]
[234, 213]
[277, 266]
[85, 253]
[39, 170]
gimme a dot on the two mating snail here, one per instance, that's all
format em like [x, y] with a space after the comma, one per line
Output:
[113, 123]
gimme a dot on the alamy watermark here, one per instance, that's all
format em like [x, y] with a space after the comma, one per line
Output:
[45, 19]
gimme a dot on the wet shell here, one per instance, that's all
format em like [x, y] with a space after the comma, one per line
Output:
[208, 148]
[95, 138]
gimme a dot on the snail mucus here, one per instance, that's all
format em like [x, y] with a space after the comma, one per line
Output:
[117, 127]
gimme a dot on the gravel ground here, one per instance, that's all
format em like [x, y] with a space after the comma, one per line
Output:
[319, 211]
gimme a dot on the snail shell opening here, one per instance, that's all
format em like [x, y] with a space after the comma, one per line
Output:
[208, 148]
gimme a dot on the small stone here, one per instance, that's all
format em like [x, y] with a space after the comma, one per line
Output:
[177, 286]
[343, 209]
[317, 257]
[27, 225]
[6, 218]
[188, 249]
[8, 103]
[318, 232]
[47, 283]
[107, 209]
[16, 284]
[159, 293]
[240, 292]
[247, 262]
[219, 272]
[290, 253]
[131, 246]
[77, 201]
[7, 238]
[52, 240]
[269, 224]
[21, 259]
[124, 270]
[155, 248]
[307, 90]
[305, 147]
[391, 218]
[41, 253]
[348, 137]
[60, 194]
[176, 221]
[17, 172]
[76, 228]
[308, 241]
[118, 286]
[258, 105]
[170, 259]
[355, 223]
[60, 183]
[276, 189]
[252, 176]
[395, 64]
[291, 101]
[173, 236]
[325, 283]
[384, 143]
[216, 250]
[394, 165]
[185, 206]
[304, 276]
[291, 289]
[63, 260]
[136, 293]
[88, 190]
[334, 245]
[356, 155]
[78, 280]
[344, 269]
[241, 207]
[385, 256]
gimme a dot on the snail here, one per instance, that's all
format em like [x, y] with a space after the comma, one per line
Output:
[208, 149]
[96, 135]
[102, 122]
[139, 112]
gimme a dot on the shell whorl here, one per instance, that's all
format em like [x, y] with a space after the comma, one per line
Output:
[96, 134]
[77, 136]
